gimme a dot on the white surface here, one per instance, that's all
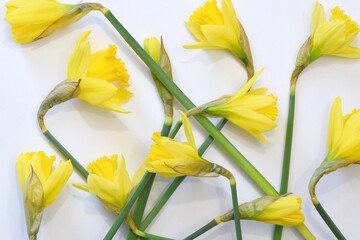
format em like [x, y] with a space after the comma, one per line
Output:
[276, 29]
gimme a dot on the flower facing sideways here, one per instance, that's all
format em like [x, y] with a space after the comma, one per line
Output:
[219, 29]
[40, 185]
[171, 158]
[32, 20]
[110, 182]
[252, 110]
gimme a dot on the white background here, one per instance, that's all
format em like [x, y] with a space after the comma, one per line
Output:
[276, 30]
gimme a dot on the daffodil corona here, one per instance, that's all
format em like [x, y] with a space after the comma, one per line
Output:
[252, 110]
[91, 77]
[220, 29]
[40, 185]
[32, 20]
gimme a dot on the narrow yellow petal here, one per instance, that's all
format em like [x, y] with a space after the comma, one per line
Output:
[162, 167]
[138, 175]
[121, 96]
[258, 135]
[47, 165]
[56, 182]
[180, 149]
[36, 163]
[230, 18]
[318, 17]
[81, 186]
[96, 91]
[122, 179]
[152, 47]
[349, 52]
[258, 91]
[336, 124]
[187, 129]
[195, 29]
[23, 167]
[201, 45]
[79, 62]
[221, 36]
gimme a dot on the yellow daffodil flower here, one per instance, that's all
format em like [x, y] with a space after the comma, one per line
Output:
[219, 29]
[252, 110]
[96, 74]
[32, 20]
[110, 181]
[280, 210]
[171, 158]
[333, 37]
[40, 185]
[153, 47]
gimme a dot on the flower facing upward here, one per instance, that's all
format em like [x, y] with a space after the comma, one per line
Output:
[333, 37]
[171, 158]
[110, 181]
[40, 185]
[252, 110]
[217, 29]
[32, 20]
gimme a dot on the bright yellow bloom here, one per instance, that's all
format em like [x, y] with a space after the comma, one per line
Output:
[96, 74]
[110, 181]
[344, 134]
[52, 181]
[152, 46]
[216, 29]
[285, 211]
[32, 20]
[253, 110]
[333, 37]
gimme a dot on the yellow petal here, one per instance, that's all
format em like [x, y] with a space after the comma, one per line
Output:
[187, 129]
[104, 189]
[258, 91]
[349, 52]
[253, 102]
[23, 167]
[56, 182]
[258, 135]
[201, 45]
[47, 165]
[336, 124]
[209, 14]
[138, 175]
[96, 91]
[352, 125]
[318, 17]
[80, 59]
[81, 186]
[122, 179]
[349, 148]
[246, 87]
[162, 167]
[121, 96]
[230, 18]
[221, 36]
[36, 163]
[152, 47]
[180, 149]
[352, 26]
[195, 29]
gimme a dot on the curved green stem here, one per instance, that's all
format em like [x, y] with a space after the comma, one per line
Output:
[235, 210]
[120, 219]
[205, 228]
[175, 129]
[329, 221]
[165, 129]
[62, 149]
[186, 102]
[151, 236]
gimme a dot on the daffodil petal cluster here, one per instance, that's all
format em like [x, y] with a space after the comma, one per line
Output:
[97, 73]
[32, 20]
[332, 37]
[216, 29]
[109, 180]
[40, 185]
[252, 110]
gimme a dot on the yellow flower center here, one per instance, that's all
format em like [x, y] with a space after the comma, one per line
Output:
[352, 26]
[209, 14]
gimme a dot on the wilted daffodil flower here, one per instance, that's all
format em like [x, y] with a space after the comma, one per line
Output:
[40, 185]
[32, 20]
[343, 144]
[171, 158]
[220, 29]
[252, 110]
[280, 210]
[90, 77]
[110, 181]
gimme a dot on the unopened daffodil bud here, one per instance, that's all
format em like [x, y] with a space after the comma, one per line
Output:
[32, 20]
[156, 50]
[327, 38]
[280, 210]
[91, 77]
[110, 182]
[40, 185]
[171, 158]
[252, 110]
[220, 29]
[343, 144]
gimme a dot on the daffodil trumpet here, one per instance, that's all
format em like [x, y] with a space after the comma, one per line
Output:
[327, 38]
[343, 150]
[283, 210]
[207, 125]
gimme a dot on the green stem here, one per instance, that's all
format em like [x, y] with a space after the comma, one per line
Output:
[165, 129]
[328, 221]
[235, 209]
[205, 228]
[127, 207]
[175, 184]
[287, 154]
[151, 236]
[186, 102]
[61, 148]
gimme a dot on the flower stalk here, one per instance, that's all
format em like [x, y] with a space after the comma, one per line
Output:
[208, 126]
